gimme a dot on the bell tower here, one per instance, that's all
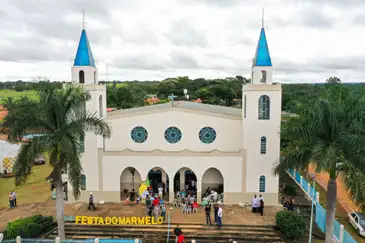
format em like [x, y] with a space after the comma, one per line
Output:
[261, 121]
[85, 74]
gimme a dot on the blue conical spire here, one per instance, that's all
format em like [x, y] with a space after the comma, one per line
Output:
[262, 56]
[84, 56]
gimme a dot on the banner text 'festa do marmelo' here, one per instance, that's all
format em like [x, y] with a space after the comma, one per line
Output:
[118, 220]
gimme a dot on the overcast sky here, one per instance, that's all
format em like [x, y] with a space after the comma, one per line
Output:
[309, 40]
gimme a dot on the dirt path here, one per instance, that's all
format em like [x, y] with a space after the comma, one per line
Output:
[342, 194]
[231, 214]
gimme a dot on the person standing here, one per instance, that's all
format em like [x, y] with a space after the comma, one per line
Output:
[215, 213]
[91, 201]
[163, 212]
[177, 232]
[261, 208]
[207, 214]
[180, 238]
[160, 190]
[260, 198]
[219, 216]
[14, 198]
[254, 204]
[11, 202]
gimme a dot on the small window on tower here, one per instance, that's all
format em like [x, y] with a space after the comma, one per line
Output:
[263, 77]
[81, 77]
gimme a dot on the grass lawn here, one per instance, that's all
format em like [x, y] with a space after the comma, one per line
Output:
[341, 214]
[36, 188]
[5, 93]
[117, 84]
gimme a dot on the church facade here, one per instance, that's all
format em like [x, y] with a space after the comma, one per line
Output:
[229, 149]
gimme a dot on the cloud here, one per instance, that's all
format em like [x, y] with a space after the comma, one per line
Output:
[309, 40]
[181, 33]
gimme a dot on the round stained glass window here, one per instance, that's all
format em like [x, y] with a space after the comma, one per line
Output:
[173, 135]
[207, 135]
[139, 134]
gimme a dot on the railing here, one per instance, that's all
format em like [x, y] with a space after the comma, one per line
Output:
[57, 240]
[339, 233]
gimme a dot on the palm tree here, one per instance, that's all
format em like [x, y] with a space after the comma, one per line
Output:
[59, 117]
[8, 103]
[330, 135]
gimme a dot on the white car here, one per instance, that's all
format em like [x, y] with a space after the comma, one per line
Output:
[357, 220]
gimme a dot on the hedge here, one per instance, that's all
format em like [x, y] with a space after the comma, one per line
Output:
[29, 227]
[291, 225]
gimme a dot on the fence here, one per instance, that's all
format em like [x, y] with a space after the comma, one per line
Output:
[340, 235]
[57, 240]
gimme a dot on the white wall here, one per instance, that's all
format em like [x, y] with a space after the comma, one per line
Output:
[212, 176]
[253, 129]
[113, 166]
[228, 132]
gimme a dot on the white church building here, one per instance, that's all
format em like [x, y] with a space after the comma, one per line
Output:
[231, 150]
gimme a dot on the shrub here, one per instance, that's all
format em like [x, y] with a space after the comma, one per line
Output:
[290, 190]
[19, 88]
[291, 225]
[29, 227]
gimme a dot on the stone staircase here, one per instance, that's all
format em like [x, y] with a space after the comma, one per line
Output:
[158, 233]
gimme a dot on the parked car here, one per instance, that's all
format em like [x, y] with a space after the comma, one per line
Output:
[357, 220]
[40, 160]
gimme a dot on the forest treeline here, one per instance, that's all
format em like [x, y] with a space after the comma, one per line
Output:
[225, 92]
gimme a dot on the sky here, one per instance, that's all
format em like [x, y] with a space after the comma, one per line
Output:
[309, 40]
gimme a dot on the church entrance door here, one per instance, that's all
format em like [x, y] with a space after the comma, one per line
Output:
[158, 178]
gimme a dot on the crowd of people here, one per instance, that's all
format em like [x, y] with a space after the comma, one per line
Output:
[258, 204]
[288, 204]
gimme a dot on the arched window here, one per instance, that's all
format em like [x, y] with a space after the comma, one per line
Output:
[94, 77]
[264, 107]
[83, 182]
[263, 77]
[262, 183]
[81, 77]
[245, 106]
[101, 110]
[263, 145]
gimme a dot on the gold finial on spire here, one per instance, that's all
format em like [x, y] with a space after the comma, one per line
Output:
[262, 18]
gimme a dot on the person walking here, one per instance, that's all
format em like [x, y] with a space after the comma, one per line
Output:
[207, 214]
[219, 216]
[91, 201]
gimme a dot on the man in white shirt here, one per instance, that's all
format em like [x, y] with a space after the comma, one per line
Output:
[160, 191]
[14, 198]
[219, 216]
[254, 204]
[260, 197]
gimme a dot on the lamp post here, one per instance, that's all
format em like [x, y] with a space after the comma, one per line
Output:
[313, 202]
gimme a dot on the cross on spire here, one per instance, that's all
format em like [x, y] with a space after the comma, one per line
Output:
[262, 17]
[83, 19]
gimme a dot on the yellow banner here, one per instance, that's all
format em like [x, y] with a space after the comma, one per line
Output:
[118, 220]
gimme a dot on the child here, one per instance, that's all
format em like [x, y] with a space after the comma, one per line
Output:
[195, 207]
[163, 212]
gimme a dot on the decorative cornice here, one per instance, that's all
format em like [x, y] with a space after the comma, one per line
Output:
[185, 152]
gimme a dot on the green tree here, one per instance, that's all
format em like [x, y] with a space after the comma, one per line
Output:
[333, 80]
[59, 117]
[330, 135]
[8, 103]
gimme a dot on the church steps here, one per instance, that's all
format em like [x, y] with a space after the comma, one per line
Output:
[202, 233]
[173, 225]
[163, 236]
